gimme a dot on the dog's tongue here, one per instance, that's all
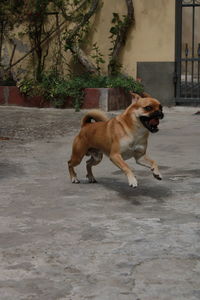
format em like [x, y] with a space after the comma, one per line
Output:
[154, 122]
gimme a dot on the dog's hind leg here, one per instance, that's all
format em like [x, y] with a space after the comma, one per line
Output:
[71, 164]
[93, 161]
[78, 152]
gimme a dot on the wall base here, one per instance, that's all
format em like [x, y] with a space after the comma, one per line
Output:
[103, 98]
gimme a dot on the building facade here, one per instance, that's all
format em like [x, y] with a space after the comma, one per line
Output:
[162, 49]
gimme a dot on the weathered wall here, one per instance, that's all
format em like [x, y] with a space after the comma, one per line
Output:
[154, 36]
[152, 39]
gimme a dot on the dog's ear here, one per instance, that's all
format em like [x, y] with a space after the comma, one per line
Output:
[135, 97]
[145, 95]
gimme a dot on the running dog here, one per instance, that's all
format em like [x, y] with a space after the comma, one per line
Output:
[120, 138]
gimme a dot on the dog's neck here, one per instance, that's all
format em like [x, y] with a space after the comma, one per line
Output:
[132, 120]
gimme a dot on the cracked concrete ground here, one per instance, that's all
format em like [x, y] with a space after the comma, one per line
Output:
[101, 241]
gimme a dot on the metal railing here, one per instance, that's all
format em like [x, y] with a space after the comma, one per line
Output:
[187, 66]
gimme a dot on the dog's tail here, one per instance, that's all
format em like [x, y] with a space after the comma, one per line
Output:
[96, 115]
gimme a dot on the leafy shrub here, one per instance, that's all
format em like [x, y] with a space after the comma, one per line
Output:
[56, 89]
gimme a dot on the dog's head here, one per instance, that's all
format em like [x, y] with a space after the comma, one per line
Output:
[148, 110]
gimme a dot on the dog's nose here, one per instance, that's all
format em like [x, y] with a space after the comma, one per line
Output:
[158, 114]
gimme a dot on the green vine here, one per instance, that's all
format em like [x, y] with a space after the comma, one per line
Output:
[119, 24]
[97, 56]
[77, 35]
[33, 14]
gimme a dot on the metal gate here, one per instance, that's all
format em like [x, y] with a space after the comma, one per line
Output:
[187, 65]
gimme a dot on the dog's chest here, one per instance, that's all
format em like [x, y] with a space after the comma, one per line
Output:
[130, 145]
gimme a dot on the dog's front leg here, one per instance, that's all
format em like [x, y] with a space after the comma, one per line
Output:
[149, 163]
[117, 159]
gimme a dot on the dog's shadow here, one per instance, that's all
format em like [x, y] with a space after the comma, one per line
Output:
[147, 188]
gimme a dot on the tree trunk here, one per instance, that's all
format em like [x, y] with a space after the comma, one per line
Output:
[84, 60]
[121, 37]
[75, 48]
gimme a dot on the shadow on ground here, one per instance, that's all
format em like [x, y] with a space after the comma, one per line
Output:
[154, 191]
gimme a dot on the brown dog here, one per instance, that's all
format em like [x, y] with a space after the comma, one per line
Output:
[120, 138]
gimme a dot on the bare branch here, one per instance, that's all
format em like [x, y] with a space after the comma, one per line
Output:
[84, 21]
[12, 54]
[70, 17]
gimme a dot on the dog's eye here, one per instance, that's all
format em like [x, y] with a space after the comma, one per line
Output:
[148, 108]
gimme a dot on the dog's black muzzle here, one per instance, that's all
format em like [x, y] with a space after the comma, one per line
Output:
[158, 114]
[151, 122]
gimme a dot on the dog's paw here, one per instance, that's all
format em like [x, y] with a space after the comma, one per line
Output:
[133, 182]
[91, 180]
[158, 176]
[75, 180]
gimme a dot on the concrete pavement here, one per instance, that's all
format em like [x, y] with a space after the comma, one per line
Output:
[104, 241]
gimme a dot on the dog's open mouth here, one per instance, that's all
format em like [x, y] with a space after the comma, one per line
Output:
[150, 123]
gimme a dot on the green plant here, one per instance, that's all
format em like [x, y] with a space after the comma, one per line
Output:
[26, 86]
[126, 82]
[56, 89]
[121, 81]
